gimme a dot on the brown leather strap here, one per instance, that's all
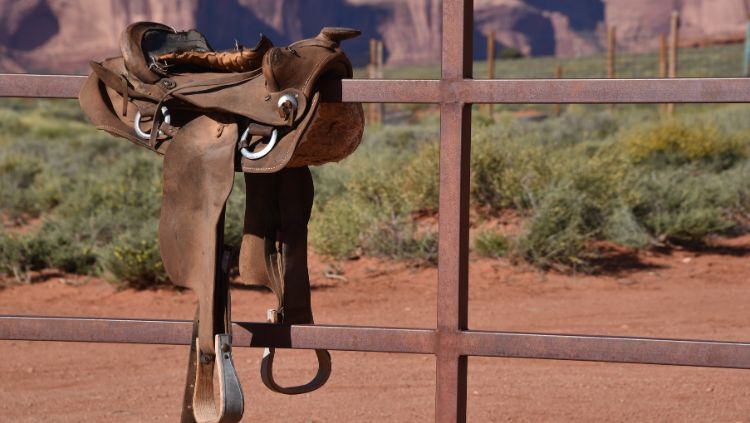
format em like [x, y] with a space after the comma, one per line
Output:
[115, 81]
[213, 83]
[187, 415]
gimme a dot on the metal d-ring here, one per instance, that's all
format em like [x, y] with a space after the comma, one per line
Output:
[147, 135]
[246, 153]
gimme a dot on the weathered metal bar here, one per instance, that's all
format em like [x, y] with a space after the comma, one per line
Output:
[602, 91]
[453, 216]
[40, 86]
[511, 91]
[677, 352]
[178, 332]
[607, 349]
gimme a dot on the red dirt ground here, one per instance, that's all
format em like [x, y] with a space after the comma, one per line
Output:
[683, 294]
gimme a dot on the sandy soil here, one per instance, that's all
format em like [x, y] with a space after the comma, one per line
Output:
[703, 295]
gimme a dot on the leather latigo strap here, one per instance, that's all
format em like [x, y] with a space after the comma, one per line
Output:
[277, 211]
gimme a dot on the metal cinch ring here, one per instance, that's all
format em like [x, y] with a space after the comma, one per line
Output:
[246, 153]
[147, 135]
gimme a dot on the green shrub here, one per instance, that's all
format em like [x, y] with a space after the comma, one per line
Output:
[623, 227]
[133, 259]
[399, 239]
[336, 227]
[491, 244]
[684, 206]
[676, 142]
[561, 228]
[10, 254]
[59, 245]
[506, 173]
[420, 180]
[24, 187]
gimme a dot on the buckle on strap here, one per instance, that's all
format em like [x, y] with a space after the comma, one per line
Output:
[266, 369]
[231, 400]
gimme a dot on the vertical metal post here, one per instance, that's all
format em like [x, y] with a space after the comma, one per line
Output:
[674, 40]
[746, 69]
[453, 219]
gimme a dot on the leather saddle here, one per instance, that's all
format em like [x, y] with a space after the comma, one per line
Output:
[211, 114]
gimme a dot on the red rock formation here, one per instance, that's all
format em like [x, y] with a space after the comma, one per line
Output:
[411, 34]
[73, 32]
[639, 22]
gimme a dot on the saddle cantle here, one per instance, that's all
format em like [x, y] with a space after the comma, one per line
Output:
[255, 110]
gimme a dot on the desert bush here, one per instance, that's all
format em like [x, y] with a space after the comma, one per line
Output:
[622, 227]
[133, 258]
[683, 205]
[579, 207]
[493, 244]
[24, 187]
[561, 228]
[10, 254]
[420, 179]
[336, 227]
[371, 211]
[58, 245]
[399, 238]
[507, 173]
[676, 142]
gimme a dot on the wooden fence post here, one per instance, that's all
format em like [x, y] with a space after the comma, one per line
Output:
[558, 75]
[490, 68]
[663, 63]
[611, 43]
[674, 39]
[746, 70]
[611, 46]
[375, 112]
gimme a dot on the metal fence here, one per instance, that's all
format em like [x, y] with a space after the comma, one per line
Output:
[451, 341]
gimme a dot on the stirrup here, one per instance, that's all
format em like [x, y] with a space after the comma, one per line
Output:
[266, 369]
[231, 401]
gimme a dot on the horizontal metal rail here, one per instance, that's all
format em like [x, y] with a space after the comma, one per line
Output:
[396, 340]
[469, 91]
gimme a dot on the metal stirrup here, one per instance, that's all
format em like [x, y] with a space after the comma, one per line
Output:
[231, 400]
[266, 369]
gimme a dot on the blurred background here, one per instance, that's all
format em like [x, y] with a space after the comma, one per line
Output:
[62, 35]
